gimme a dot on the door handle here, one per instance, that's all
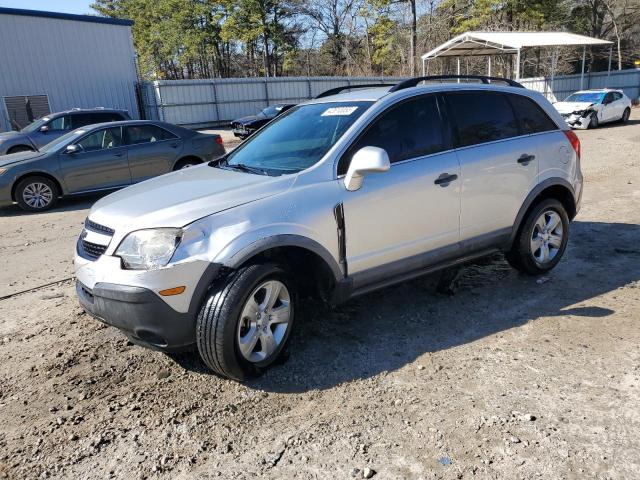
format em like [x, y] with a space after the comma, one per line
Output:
[445, 179]
[525, 159]
[121, 154]
[174, 145]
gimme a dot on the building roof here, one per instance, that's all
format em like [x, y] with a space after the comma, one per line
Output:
[491, 43]
[65, 16]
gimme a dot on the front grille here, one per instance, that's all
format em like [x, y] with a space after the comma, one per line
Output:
[89, 225]
[93, 250]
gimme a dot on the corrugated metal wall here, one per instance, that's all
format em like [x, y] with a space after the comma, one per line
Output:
[74, 63]
[563, 86]
[199, 103]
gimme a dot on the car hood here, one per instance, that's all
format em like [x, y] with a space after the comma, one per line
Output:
[7, 160]
[570, 107]
[179, 198]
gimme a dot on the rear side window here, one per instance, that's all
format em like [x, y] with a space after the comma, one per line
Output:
[481, 117]
[410, 130]
[84, 119]
[532, 118]
[137, 134]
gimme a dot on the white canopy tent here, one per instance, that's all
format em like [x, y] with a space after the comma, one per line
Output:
[494, 43]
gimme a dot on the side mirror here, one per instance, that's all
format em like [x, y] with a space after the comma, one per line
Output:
[71, 149]
[364, 161]
[44, 128]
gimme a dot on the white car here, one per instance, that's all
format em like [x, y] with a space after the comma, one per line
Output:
[589, 108]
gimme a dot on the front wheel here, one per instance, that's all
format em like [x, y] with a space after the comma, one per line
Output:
[36, 194]
[246, 322]
[593, 123]
[542, 239]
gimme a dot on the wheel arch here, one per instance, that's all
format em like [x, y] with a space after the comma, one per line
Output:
[312, 264]
[186, 157]
[557, 188]
[22, 176]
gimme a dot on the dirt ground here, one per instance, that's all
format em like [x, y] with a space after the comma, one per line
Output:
[510, 377]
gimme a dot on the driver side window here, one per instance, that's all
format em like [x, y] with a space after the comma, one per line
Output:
[101, 140]
[409, 130]
[60, 123]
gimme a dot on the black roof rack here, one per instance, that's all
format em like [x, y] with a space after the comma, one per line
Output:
[334, 91]
[412, 82]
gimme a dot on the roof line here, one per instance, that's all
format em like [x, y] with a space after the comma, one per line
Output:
[65, 16]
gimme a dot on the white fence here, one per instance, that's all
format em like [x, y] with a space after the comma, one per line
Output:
[199, 103]
[202, 103]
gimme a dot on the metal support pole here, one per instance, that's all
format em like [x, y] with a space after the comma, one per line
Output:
[488, 65]
[554, 60]
[609, 68]
[458, 68]
[518, 65]
[584, 54]
[424, 71]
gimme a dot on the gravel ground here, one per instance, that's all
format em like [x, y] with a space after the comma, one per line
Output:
[510, 377]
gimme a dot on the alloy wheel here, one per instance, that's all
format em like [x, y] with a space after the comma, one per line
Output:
[264, 321]
[37, 195]
[547, 236]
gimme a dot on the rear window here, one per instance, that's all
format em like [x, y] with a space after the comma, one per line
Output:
[481, 117]
[532, 118]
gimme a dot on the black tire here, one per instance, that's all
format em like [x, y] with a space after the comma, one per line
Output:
[625, 115]
[30, 184]
[186, 163]
[520, 256]
[218, 321]
[19, 149]
[594, 122]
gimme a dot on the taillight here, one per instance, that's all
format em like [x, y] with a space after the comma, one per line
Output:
[574, 141]
[219, 141]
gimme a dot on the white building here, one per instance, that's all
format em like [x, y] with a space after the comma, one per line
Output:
[50, 62]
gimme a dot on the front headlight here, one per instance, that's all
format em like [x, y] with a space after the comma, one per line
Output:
[149, 249]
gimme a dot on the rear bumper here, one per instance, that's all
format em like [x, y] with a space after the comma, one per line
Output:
[139, 313]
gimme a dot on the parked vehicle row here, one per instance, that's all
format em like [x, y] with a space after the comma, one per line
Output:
[98, 157]
[336, 197]
[46, 129]
[589, 108]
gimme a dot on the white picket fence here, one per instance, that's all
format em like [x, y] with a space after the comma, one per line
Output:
[203, 103]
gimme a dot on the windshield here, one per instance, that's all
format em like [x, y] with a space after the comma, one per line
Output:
[63, 140]
[297, 139]
[35, 125]
[268, 112]
[591, 97]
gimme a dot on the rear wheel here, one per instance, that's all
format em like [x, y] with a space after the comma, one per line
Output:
[36, 194]
[625, 115]
[20, 148]
[542, 239]
[186, 163]
[245, 323]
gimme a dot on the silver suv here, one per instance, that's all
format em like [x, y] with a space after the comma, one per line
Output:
[341, 195]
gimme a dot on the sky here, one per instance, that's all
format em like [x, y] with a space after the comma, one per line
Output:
[65, 6]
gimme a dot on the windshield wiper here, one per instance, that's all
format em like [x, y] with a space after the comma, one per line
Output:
[247, 168]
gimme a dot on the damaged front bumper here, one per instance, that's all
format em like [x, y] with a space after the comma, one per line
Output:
[577, 120]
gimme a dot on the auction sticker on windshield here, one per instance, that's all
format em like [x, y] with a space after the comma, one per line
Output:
[338, 111]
